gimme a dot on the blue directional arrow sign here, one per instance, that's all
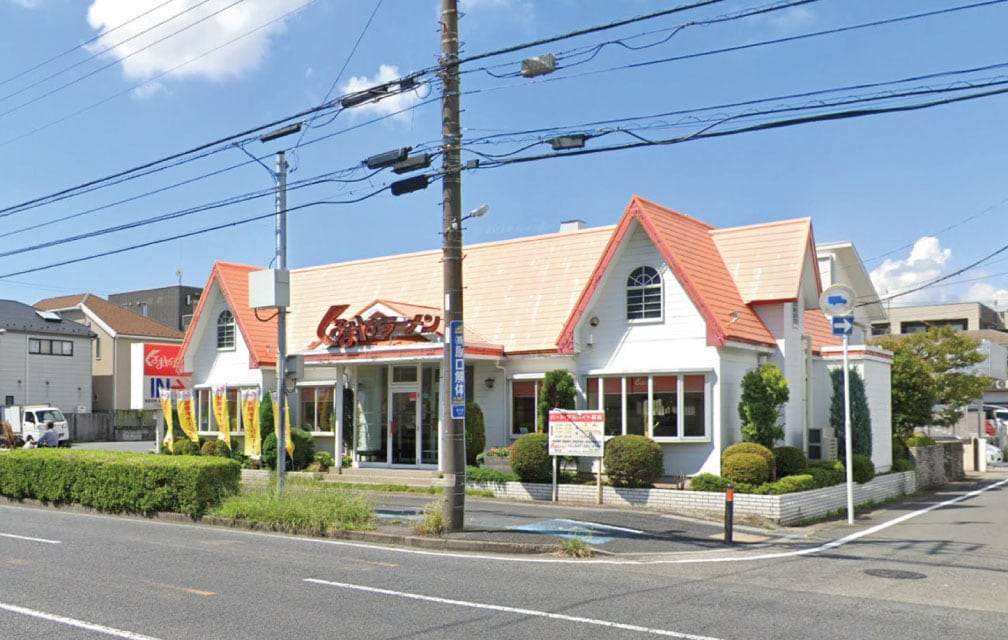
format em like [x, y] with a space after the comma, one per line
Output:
[843, 325]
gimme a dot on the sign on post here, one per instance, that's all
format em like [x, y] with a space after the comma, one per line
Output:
[843, 325]
[458, 371]
[576, 433]
[837, 301]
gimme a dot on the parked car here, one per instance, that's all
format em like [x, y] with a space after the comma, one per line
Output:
[994, 454]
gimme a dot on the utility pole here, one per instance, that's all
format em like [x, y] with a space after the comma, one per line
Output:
[453, 512]
[282, 273]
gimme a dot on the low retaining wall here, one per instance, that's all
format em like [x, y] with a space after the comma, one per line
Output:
[938, 463]
[784, 509]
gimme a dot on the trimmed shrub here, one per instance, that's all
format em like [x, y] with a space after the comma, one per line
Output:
[749, 447]
[750, 468]
[185, 447]
[864, 468]
[475, 433]
[215, 447]
[789, 484]
[790, 461]
[826, 474]
[903, 464]
[304, 450]
[633, 461]
[530, 459]
[485, 474]
[708, 482]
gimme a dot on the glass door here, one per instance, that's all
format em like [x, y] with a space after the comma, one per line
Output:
[403, 427]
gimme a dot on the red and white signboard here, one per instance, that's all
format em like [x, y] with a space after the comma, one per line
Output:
[161, 371]
[576, 433]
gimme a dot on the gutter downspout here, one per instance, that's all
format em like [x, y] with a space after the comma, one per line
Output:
[807, 388]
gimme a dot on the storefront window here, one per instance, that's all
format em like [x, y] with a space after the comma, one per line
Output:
[674, 407]
[523, 406]
[317, 408]
[203, 409]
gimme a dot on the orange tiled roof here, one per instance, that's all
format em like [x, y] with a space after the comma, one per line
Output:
[517, 293]
[819, 329]
[120, 320]
[688, 246]
[766, 260]
[259, 335]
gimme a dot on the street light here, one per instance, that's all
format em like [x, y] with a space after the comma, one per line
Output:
[281, 291]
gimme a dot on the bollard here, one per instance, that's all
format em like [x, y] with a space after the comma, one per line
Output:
[729, 508]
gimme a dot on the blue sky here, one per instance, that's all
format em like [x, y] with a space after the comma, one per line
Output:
[91, 89]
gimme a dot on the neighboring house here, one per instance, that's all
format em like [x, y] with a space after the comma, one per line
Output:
[172, 306]
[44, 359]
[657, 318]
[116, 329]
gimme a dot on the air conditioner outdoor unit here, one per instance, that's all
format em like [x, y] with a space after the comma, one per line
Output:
[821, 446]
[829, 449]
[1001, 384]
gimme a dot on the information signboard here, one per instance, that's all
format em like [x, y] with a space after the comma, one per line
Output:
[576, 433]
[457, 370]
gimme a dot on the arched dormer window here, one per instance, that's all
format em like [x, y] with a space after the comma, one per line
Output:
[225, 330]
[643, 294]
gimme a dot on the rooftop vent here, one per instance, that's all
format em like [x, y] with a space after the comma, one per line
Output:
[48, 316]
[572, 225]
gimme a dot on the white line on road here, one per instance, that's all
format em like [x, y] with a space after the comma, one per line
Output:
[80, 624]
[525, 612]
[29, 538]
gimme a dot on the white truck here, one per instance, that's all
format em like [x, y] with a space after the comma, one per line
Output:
[31, 419]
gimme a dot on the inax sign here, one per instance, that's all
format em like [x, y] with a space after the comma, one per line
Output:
[159, 366]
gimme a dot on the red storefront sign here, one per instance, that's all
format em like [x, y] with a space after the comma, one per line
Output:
[335, 331]
[161, 359]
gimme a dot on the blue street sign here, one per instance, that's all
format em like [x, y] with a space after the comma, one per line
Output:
[457, 370]
[843, 325]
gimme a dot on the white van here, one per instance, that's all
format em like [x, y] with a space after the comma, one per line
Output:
[32, 419]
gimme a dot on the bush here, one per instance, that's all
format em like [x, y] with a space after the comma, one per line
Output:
[864, 468]
[216, 447]
[530, 459]
[749, 447]
[903, 464]
[304, 450]
[185, 447]
[708, 482]
[485, 474]
[475, 433]
[826, 474]
[920, 440]
[789, 461]
[789, 484]
[633, 461]
[750, 468]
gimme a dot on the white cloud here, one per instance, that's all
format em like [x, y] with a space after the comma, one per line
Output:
[145, 54]
[926, 261]
[386, 106]
[988, 294]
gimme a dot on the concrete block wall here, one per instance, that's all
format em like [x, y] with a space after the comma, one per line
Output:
[784, 509]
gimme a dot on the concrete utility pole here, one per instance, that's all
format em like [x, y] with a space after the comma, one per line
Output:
[281, 258]
[454, 428]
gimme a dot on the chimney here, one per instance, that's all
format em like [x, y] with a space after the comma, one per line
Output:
[567, 226]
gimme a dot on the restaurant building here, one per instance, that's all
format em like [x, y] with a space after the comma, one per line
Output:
[657, 318]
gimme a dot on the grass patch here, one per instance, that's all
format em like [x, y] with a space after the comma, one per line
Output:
[575, 548]
[302, 511]
[431, 522]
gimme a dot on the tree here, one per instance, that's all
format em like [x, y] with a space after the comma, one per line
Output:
[913, 395]
[861, 437]
[948, 358]
[557, 392]
[764, 394]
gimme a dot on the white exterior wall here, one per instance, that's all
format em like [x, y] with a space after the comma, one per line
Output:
[677, 343]
[62, 381]
[874, 368]
[210, 365]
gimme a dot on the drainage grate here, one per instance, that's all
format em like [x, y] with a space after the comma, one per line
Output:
[895, 574]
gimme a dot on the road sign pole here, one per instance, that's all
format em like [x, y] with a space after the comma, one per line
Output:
[848, 446]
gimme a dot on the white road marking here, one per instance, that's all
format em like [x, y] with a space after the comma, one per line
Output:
[516, 610]
[29, 538]
[80, 624]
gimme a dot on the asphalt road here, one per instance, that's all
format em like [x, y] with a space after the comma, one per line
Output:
[932, 567]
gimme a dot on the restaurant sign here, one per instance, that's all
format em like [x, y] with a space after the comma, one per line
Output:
[334, 331]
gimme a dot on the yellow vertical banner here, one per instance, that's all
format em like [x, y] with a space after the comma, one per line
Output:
[289, 445]
[187, 415]
[220, 409]
[166, 408]
[250, 422]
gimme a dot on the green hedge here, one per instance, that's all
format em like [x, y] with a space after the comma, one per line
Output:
[119, 482]
[633, 461]
[530, 459]
[750, 468]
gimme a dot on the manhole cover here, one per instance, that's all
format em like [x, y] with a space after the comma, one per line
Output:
[895, 574]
